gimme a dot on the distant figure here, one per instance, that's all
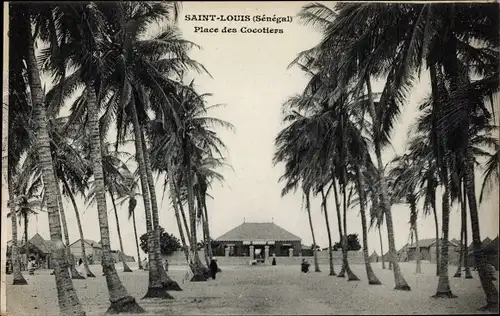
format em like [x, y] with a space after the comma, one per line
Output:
[213, 267]
[145, 264]
[81, 268]
[8, 267]
[166, 265]
[274, 259]
[304, 266]
[31, 266]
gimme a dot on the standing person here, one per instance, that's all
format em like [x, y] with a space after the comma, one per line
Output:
[81, 268]
[274, 259]
[31, 266]
[213, 267]
[166, 265]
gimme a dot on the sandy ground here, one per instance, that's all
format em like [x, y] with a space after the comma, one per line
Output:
[261, 290]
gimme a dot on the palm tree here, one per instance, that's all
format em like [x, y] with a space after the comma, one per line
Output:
[404, 175]
[68, 300]
[26, 200]
[128, 193]
[330, 245]
[89, 37]
[186, 154]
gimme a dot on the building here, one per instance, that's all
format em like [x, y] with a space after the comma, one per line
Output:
[259, 240]
[93, 250]
[374, 257]
[490, 250]
[428, 249]
[38, 248]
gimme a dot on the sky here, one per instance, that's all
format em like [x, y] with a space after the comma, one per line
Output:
[249, 75]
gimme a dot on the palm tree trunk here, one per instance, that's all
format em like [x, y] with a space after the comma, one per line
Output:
[197, 265]
[167, 282]
[174, 198]
[436, 227]
[205, 240]
[399, 280]
[69, 256]
[372, 278]
[443, 289]
[414, 214]
[486, 281]
[69, 303]
[132, 204]
[80, 229]
[468, 275]
[155, 285]
[183, 214]
[16, 262]
[350, 275]
[330, 246]
[121, 301]
[436, 146]
[381, 247]
[126, 268]
[315, 253]
[25, 218]
[209, 239]
[463, 214]
[201, 216]
[341, 274]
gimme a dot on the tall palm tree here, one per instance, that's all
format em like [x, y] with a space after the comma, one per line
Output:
[330, 245]
[89, 37]
[68, 300]
[186, 154]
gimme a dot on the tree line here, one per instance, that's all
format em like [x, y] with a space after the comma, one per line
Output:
[338, 126]
[121, 68]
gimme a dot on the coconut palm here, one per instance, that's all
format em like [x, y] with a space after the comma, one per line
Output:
[114, 169]
[27, 200]
[404, 175]
[184, 153]
[128, 192]
[20, 19]
[84, 48]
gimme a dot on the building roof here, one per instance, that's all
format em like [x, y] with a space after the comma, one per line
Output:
[489, 247]
[46, 246]
[374, 254]
[258, 231]
[485, 242]
[90, 242]
[428, 242]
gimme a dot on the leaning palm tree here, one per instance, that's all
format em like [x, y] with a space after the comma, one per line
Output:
[86, 43]
[20, 19]
[186, 153]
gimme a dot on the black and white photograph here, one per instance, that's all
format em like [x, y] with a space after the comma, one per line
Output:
[250, 158]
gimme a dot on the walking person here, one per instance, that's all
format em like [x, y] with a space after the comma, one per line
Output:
[213, 267]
